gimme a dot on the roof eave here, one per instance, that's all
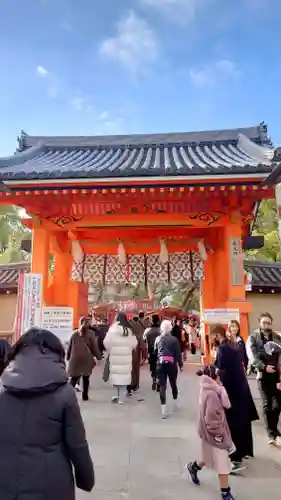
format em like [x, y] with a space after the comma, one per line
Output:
[274, 177]
[218, 178]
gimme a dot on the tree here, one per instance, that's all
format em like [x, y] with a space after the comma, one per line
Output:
[266, 224]
[12, 232]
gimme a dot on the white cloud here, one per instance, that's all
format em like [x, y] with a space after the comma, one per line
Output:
[104, 115]
[181, 11]
[134, 45]
[41, 71]
[81, 104]
[211, 74]
[78, 103]
[51, 81]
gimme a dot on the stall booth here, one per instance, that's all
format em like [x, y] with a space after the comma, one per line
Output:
[141, 208]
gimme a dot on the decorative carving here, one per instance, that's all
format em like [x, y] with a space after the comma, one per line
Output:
[21, 141]
[64, 220]
[148, 207]
[207, 217]
[277, 155]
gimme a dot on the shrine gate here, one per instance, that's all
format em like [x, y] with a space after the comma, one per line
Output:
[160, 207]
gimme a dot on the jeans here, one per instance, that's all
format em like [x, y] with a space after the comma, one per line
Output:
[271, 402]
[85, 385]
[167, 371]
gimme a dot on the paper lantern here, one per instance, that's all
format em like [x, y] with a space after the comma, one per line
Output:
[164, 253]
[121, 252]
[202, 250]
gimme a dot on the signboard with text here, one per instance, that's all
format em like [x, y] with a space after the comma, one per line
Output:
[31, 302]
[223, 316]
[58, 320]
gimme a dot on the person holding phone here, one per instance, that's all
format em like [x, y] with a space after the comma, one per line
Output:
[268, 370]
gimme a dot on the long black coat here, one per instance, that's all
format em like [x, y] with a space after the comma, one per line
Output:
[42, 436]
[233, 378]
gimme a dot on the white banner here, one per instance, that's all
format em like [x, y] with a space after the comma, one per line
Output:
[58, 320]
[32, 301]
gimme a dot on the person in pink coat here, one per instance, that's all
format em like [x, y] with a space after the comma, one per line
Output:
[213, 430]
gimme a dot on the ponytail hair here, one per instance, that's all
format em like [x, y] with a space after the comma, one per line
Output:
[122, 320]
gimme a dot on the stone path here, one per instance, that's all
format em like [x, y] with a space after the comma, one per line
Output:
[138, 456]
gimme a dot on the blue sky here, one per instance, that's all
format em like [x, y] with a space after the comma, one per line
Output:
[128, 66]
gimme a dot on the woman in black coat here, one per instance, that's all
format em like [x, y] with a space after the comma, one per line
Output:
[243, 411]
[42, 436]
[234, 335]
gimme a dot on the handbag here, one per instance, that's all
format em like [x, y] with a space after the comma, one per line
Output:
[92, 357]
[106, 370]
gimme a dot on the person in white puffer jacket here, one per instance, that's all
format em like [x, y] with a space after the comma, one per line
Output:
[119, 343]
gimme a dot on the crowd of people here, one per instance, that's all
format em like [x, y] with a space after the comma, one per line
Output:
[44, 451]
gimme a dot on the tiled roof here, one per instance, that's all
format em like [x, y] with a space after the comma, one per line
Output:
[264, 274]
[9, 274]
[235, 151]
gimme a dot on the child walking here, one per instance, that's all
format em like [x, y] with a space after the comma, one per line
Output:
[216, 442]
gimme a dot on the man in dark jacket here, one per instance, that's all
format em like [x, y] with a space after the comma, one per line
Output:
[267, 367]
[150, 335]
[169, 358]
[4, 351]
[42, 437]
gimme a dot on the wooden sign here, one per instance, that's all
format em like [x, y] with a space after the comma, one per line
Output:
[236, 262]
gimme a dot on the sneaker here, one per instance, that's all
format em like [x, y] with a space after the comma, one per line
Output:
[278, 441]
[175, 405]
[77, 388]
[120, 402]
[236, 467]
[164, 411]
[227, 496]
[193, 472]
[272, 441]
[114, 399]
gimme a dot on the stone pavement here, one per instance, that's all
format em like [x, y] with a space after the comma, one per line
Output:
[138, 456]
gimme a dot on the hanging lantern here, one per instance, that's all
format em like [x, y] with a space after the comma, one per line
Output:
[202, 250]
[77, 252]
[121, 252]
[164, 253]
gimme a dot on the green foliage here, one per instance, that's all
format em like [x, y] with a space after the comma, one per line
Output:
[12, 232]
[266, 224]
